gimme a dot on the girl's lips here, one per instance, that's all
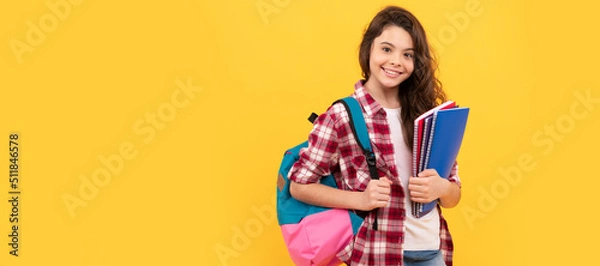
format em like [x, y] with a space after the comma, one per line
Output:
[391, 73]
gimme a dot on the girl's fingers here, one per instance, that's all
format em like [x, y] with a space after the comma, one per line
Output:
[386, 180]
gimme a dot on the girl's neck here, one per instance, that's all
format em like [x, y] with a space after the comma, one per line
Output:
[386, 97]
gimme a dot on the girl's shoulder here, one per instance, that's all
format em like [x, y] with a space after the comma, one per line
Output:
[338, 114]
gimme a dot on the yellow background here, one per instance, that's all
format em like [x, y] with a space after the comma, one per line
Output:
[195, 182]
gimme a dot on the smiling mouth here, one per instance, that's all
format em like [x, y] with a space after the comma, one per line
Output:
[391, 72]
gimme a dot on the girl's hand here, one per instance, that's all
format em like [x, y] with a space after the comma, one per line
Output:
[377, 194]
[428, 186]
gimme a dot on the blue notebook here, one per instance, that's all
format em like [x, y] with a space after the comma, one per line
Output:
[445, 138]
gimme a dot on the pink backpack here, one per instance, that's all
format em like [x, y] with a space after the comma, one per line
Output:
[313, 234]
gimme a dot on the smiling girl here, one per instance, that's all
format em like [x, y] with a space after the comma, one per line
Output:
[399, 84]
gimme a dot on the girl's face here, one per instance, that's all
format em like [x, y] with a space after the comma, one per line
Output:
[392, 58]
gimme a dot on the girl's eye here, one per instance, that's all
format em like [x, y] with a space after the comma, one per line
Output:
[386, 49]
[409, 55]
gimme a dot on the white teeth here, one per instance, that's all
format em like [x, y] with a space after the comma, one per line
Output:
[391, 72]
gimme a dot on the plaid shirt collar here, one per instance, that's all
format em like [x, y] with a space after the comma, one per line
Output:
[365, 99]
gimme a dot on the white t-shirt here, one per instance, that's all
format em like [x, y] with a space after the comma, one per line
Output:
[422, 233]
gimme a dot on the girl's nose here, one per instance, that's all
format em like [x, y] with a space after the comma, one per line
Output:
[395, 61]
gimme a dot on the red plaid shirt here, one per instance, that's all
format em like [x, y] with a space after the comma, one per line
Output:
[333, 149]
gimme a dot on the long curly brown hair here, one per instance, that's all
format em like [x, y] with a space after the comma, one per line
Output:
[422, 90]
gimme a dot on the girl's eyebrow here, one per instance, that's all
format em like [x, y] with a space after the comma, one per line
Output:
[384, 42]
[390, 44]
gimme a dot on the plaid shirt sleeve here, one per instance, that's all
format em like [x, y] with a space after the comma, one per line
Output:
[446, 244]
[454, 174]
[316, 159]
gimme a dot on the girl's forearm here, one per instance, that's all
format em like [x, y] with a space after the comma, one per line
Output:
[325, 196]
[451, 198]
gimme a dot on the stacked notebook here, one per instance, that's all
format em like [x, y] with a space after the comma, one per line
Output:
[437, 138]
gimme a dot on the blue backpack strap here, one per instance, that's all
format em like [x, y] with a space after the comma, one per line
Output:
[361, 133]
[359, 129]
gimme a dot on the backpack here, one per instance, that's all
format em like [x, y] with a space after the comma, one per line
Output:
[313, 234]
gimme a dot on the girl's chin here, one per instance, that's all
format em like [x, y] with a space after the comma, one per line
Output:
[386, 83]
[390, 84]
